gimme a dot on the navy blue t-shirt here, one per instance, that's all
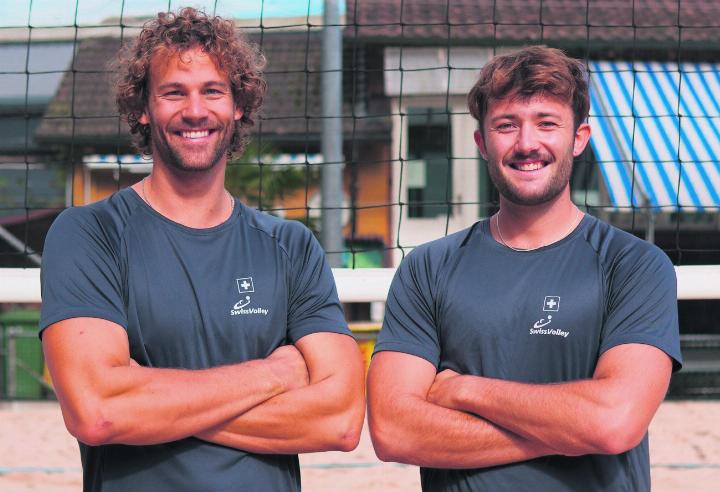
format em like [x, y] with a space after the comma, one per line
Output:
[188, 298]
[467, 303]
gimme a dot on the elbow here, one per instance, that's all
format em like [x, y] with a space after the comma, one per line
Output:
[395, 437]
[618, 440]
[347, 429]
[346, 415]
[616, 433]
[336, 436]
[91, 433]
[386, 442]
[380, 442]
[89, 427]
[347, 440]
[385, 451]
[388, 451]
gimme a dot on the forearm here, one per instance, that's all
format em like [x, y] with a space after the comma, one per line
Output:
[319, 417]
[325, 415]
[565, 416]
[608, 414]
[137, 405]
[417, 432]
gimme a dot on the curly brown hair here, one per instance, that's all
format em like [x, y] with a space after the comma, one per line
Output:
[533, 71]
[178, 32]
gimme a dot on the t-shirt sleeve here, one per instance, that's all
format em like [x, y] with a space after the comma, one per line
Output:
[313, 304]
[410, 324]
[642, 303]
[80, 276]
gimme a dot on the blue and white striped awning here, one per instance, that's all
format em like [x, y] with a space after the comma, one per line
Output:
[656, 133]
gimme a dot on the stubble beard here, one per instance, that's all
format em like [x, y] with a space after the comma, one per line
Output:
[179, 160]
[556, 185]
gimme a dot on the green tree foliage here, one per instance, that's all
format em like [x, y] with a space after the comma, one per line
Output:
[260, 183]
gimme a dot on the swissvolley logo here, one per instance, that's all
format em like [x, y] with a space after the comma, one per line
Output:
[246, 286]
[541, 326]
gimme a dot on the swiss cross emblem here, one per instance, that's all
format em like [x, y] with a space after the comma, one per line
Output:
[551, 303]
[245, 285]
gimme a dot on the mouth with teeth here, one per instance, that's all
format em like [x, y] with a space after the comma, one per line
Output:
[194, 134]
[528, 165]
[529, 162]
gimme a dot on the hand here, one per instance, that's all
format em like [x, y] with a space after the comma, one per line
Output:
[289, 366]
[444, 390]
[134, 363]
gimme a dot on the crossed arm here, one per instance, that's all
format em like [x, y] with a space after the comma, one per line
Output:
[106, 399]
[448, 420]
[327, 414]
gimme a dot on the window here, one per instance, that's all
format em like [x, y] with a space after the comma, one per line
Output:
[429, 169]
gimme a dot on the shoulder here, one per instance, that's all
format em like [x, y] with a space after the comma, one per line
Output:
[621, 253]
[104, 220]
[427, 265]
[434, 255]
[291, 236]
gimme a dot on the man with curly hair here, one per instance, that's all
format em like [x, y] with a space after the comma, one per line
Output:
[194, 343]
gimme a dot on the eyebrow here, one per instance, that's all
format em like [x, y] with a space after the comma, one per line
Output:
[506, 116]
[178, 85]
[512, 116]
[169, 85]
[547, 115]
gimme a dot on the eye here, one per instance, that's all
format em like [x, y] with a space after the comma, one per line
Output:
[215, 92]
[547, 124]
[504, 127]
[172, 94]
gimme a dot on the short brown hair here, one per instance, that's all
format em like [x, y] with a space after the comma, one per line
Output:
[529, 72]
[178, 32]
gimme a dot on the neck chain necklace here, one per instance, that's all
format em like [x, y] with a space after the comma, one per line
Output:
[502, 239]
[144, 196]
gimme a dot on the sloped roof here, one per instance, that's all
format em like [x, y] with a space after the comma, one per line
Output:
[638, 22]
[83, 107]
[83, 110]
[30, 73]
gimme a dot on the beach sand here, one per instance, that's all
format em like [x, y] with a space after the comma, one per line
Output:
[37, 454]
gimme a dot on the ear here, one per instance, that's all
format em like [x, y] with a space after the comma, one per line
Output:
[480, 142]
[144, 120]
[238, 113]
[582, 137]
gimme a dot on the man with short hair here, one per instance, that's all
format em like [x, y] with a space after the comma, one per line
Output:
[530, 351]
[194, 343]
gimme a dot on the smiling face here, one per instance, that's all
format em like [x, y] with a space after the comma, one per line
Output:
[530, 145]
[190, 110]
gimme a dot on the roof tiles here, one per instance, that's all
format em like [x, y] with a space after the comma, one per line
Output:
[84, 111]
[517, 21]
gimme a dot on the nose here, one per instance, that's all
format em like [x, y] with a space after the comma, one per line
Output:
[195, 108]
[527, 140]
